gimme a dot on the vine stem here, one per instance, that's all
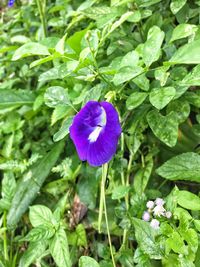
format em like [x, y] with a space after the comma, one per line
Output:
[103, 207]
[5, 238]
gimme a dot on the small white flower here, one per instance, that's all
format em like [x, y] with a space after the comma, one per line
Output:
[159, 201]
[155, 224]
[150, 204]
[146, 216]
[168, 214]
[159, 211]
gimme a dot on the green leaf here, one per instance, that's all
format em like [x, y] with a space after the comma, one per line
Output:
[187, 54]
[40, 233]
[120, 191]
[16, 98]
[34, 251]
[164, 127]
[182, 31]
[56, 95]
[176, 5]
[29, 186]
[142, 82]
[135, 100]
[160, 97]
[151, 49]
[130, 59]
[185, 166]
[64, 130]
[188, 200]
[86, 261]
[40, 215]
[145, 236]
[181, 108]
[192, 78]
[126, 73]
[175, 242]
[30, 49]
[59, 249]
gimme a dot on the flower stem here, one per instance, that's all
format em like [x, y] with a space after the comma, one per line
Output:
[102, 207]
[5, 238]
[124, 242]
[41, 8]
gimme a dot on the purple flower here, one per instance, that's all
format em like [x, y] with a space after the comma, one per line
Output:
[11, 3]
[146, 216]
[95, 131]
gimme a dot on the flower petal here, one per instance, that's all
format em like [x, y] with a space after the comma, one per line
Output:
[105, 146]
[80, 130]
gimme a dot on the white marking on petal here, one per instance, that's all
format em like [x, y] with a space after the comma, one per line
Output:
[94, 134]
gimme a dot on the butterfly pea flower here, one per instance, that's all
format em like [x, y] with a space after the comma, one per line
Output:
[11, 3]
[95, 131]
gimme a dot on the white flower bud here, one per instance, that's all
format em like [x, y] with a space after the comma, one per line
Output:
[155, 224]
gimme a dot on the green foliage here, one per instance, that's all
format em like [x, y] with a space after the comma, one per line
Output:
[143, 56]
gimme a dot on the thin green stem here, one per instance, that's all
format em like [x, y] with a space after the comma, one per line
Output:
[5, 238]
[102, 192]
[41, 7]
[125, 238]
[108, 232]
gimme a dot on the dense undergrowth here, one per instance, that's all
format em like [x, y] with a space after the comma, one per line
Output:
[140, 55]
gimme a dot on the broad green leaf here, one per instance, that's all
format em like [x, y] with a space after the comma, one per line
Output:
[151, 49]
[30, 49]
[21, 39]
[187, 54]
[117, 23]
[56, 95]
[160, 97]
[59, 72]
[29, 186]
[145, 236]
[120, 191]
[59, 249]
[182, 31]
[130, 59]
[164, 127]
[181, 108]
[188, 200]
[34, 251]
[192, 78]
[135, 100]
[185, 166]
[162, 75]
[39, 233]
[42, 61]
[12, 98]
[40, 215]
[64, 130]
[193, 98]
[175, 242]
[176, 5]
[126, 73]
[86, 261]
[60, 112]
[142, 82]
